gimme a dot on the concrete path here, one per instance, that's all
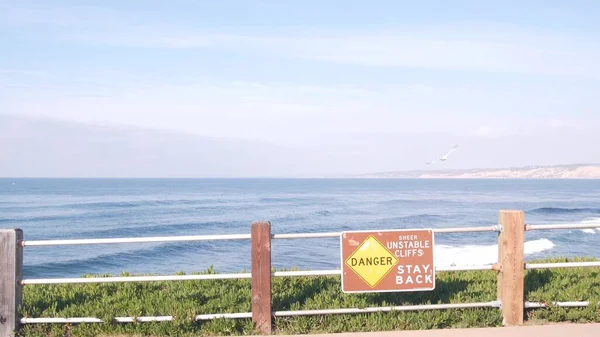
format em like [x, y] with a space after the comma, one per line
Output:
[550, 330]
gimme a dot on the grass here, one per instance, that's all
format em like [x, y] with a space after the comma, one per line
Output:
[185, 299]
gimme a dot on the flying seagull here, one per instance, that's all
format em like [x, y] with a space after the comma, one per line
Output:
[445, 157]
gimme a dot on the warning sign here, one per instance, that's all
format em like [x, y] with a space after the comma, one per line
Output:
[371, 261]
[387, 261]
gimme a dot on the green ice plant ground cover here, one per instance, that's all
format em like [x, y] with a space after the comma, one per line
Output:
[185, 299]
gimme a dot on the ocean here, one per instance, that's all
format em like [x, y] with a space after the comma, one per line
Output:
[110, 208]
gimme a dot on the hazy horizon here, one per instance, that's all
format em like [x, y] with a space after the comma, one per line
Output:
[42, 147]
[265, 88]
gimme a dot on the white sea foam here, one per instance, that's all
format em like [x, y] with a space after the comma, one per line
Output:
[592, 222]
[478, 255]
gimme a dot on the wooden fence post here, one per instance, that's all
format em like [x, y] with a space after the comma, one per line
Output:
[261, 276]
[511, 278]
[11, 272]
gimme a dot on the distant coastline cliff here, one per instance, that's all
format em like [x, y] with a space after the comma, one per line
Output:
[584, 171]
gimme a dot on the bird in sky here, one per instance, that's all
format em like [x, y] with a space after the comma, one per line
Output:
[445, 157]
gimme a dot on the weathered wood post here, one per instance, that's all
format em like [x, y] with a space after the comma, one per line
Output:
[11, 272]
[261, 276]
[511, 278]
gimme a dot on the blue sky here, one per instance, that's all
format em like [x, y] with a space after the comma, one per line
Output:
[307, 73]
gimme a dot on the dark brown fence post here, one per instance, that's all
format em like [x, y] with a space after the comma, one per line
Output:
[511, 278]
[261, 276]
[11, 272]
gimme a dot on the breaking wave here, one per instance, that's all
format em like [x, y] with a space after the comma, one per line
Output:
[479, 255]
[559, 210]
[592, 222]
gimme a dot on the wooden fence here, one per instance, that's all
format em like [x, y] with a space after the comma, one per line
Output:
[510, 268]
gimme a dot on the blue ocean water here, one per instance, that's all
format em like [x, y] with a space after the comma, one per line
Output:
[109, 208]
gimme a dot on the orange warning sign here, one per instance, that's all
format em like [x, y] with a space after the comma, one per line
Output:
[387, 261]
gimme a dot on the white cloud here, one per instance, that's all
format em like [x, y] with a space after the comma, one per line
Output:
[287, 112]
[476, 47]
[277, 111]
[387, 49]
[300, 113]
[486, 131]
[584, 124]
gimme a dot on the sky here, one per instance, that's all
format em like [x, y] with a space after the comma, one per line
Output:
[340, 77]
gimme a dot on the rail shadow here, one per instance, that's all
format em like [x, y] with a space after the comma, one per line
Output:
[537, 279]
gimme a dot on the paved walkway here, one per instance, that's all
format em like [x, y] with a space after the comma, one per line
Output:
[550, 330]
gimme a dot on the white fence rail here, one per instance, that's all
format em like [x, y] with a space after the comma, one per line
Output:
[334, 272]
[33, 243]
[493, 304]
